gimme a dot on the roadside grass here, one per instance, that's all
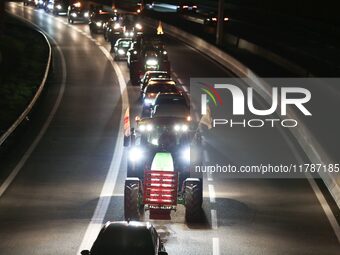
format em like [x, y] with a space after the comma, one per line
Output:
[23, 58]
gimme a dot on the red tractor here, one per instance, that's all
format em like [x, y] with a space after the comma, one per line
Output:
[158, 174]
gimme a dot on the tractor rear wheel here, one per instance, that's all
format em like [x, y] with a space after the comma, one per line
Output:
[193, 195]
[132, 197]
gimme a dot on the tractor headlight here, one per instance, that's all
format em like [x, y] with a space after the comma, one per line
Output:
[121, 51]
[138, 26]
[152, 62]
[86, 14]
[143, 128]
[154, 141]
[99, 23]
[59, 7]
[181, 128]
[148, 101]
[186, 154]
[136, 154]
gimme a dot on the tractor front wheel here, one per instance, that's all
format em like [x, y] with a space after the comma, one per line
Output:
[132, 199]
[193, 195]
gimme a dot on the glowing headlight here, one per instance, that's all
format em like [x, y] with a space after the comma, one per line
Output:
[154, 141]
[138, 26]
[148, 101]
[129, 34]
[99, 24]
[116, 26]
[40, 1]
[147, 127]
[135, 154]
[121, 51]
[50, 6]
[186, 154]
[165, 52]
[182, 128]
[78, 4]
[73, 14]
[59, 7]
[152, 62]
[177, 127]
[86, 14]
[138, 11]
[135, 52]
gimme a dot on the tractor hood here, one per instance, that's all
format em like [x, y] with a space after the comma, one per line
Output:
[162, 161]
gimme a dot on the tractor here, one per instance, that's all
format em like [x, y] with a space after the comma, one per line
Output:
[158, 170]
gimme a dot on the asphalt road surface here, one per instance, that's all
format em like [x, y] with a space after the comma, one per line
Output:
[73, 165]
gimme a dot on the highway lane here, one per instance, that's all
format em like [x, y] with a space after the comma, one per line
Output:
[253, 216]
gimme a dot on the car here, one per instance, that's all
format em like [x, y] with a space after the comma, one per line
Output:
[171, 110]
[127, 25]
[152, 75]
[160, 153]
[121, 47]
[179, 98]
[188, 6]
[154, 87]
[127, 237]
[171, 105]
[78, 12]
[148, 53]
[97, 20]
[57, 7]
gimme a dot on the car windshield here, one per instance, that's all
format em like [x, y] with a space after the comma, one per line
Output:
[124, 44]
[161, 87]
[124, 242]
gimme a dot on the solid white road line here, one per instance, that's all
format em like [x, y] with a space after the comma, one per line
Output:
[36, 141]
[111, 178]
[214, 225]
[216, 246]
[212, 195]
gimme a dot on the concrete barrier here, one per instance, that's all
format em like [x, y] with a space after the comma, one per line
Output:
[36, 96]
[302, 134]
